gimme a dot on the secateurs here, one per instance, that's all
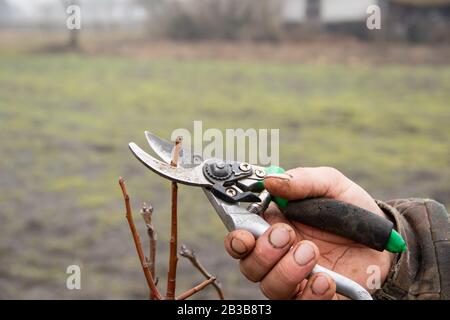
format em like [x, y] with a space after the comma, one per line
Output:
[236, 191]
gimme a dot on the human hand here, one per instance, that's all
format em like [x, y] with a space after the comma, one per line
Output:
[285, 254]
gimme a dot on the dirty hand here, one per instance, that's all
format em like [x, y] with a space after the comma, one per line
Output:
[285, 254]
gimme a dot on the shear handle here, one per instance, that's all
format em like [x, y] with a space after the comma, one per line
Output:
[234, 217]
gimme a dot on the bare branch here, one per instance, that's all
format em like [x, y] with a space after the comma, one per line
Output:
[173, 259]
[196, 289]
[137, 241]
[191, 256]
[147, 213]
[148, 265]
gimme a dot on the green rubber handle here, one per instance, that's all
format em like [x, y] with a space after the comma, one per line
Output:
[343, 219]
[282, 203]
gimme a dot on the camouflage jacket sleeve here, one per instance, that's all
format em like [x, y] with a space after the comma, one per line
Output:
[423, 271]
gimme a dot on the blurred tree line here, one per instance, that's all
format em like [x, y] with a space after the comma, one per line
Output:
[215, 19]
[409, 20]
[258, 20]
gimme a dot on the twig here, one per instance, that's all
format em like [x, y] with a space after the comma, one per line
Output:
[147, 213]
[148, 265]
[191, 256]
[196, 289]
[137, 241]
[173, 259]
[176, 153]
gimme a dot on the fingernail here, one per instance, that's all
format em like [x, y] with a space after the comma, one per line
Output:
[304, 254]
[320, 285]
[280, 176]
[238, 246]
[279, 237]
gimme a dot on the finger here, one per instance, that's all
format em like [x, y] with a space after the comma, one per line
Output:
[239, 243]
[319, 287]
[269, 249]
[303, 183]
[326, 182]
[283, 281]
[273, 215]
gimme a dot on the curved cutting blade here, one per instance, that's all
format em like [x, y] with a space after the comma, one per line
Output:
[164, 149]
[189, 176]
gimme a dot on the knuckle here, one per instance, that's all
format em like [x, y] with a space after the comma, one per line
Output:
[333, 172]
[248, 272]
[290, 273]
[287, 274]
[261, 257]
[264, 255]
[276, 291]
[336, 181]
[278, 286]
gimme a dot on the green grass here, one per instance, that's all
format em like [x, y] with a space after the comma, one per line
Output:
[66, 121]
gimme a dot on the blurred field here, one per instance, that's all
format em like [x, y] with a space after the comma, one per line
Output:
[66, 120]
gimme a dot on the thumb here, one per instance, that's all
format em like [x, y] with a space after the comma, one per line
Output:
[300, 183]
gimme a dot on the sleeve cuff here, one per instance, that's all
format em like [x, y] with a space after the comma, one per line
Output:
[391, 290]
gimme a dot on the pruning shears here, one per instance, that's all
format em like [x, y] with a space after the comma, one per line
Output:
[236, 191]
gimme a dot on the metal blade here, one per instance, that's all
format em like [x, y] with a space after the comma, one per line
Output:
[164, 149]
[189, 176]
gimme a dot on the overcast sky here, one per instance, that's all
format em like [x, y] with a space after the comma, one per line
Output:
[28, 6]
[332, 10]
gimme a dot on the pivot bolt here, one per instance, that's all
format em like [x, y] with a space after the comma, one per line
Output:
[260, 173]
[220, 165]
[231, 192]
[218, 171]
[245, 167]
